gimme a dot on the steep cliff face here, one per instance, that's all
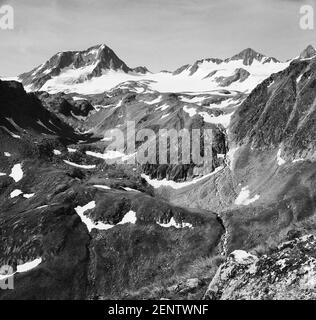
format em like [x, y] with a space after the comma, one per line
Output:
[281, 112]
[23, 113]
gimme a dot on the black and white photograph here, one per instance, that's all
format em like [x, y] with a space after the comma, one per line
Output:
[157, 151]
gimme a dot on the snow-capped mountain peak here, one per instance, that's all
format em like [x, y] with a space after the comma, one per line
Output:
[77, 67]
[248, 56]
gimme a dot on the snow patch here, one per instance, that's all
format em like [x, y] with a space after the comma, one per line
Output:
[243, 257]
[130, 217]
[155, 101]
[16, 172]
[243, 197]
[279, 159]
[57, 152]
[298, 80]
[223, 119]
[80, 165]
[130, 189]
[29, 265]
[173, 223]
[15, 193]
[102, 187]
[23, 268]
[28, 196]
[78, 98]
[163, 107]
[177, 185]
[190, 111]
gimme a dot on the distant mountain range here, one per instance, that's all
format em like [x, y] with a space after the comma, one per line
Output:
[99, 69]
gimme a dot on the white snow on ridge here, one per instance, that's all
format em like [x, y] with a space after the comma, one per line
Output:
[2, 174]
[130, 217]
[16, 172]
[102, 187]
[230, 156]
[78, 98]
[23, 268]
[82, 166]
[7, 154]
[165, 115]
[243, 197]
[29, 265]
[173, 223]
[190, 110]
[196, 100]
[28, 196]
[223, 119]
[110, 154]
[15, 193]
[89, 222]
[177, 185]
[163, 107]
[130, 189]
[298, 80]
[155, 101]
[243, 257]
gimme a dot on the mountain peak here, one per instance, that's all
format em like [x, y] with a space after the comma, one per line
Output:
[308, 52]
[89, 63]
[249, 55]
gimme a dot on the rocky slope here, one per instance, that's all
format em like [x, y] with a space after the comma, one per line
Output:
[286, 273]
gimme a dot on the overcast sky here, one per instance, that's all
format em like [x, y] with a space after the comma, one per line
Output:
[160, 34]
